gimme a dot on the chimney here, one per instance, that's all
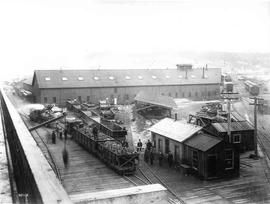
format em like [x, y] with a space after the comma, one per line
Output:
[203, 75]
[175, 116]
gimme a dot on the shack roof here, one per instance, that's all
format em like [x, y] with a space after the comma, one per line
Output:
[235, 126]
[175, 129]
[202, 141]
[151, 98]
[123, 77]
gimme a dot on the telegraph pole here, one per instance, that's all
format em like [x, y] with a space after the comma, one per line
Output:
[256, 104]
[229, 110]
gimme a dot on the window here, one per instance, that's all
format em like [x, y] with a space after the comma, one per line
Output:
[47, 78]
[80, 78]
[115, 90]
[88, 98]
[167, 146]
[195, 159]
[228, 159]
[45, 100]
[189, 94]
[64, 78]
[54, 99]
[236, 138]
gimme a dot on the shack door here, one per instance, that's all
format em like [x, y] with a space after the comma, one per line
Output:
[211, 164]
[176, 153]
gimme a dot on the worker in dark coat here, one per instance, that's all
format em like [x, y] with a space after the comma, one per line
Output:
[149, 145]
[139, 146]
[170, 159]
[65, 157]
[65, 134]
[61, 134]
[160, 158]
[53, 137]
[151, 157]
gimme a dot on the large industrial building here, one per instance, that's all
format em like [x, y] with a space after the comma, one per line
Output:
[57, 86]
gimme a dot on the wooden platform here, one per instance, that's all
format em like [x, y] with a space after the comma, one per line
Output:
[85, 172]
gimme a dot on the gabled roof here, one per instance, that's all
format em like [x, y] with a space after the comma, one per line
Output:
[202, 141]
[151, 98]
[175, 129]
[235, 126]
[123, 77]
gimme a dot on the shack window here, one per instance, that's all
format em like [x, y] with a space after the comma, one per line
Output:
[228, 159]
[195, 159]
[167, 146]
[236, 138]
[45, 100]
[54, 99]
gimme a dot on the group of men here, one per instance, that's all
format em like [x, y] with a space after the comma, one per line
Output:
[150, 156]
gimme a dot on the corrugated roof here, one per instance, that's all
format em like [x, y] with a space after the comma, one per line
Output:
[123, 77]
[235, 126]
[176, 130]
[202, 141]
[151, 98]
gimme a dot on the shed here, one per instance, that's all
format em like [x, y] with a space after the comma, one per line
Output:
[169, 135]
[210, 157]
[242, 133]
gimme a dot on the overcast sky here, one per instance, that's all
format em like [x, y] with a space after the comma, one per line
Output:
[50, 34]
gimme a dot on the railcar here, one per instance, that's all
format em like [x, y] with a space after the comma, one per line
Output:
[121, 159]
[228, 86]
[252, 88]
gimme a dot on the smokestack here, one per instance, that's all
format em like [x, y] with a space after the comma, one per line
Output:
[203, 76]
[175, 116]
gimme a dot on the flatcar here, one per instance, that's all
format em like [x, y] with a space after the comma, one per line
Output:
[252, 88]
[107, 149]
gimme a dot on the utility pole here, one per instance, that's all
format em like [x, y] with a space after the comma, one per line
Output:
[256, 104]
[229, 98]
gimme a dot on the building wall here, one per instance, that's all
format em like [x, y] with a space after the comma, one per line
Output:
[178, 156]
[126, 94]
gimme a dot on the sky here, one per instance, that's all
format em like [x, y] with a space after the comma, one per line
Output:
[87, 34]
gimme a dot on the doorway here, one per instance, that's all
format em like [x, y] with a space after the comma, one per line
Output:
[211, 164]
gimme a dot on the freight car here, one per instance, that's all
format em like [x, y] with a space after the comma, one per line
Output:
[107, 149]
[252, 88]
[228, 86]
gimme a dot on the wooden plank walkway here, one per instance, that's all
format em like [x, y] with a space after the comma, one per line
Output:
[85, 173]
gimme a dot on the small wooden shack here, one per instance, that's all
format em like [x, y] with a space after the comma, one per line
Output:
[242, 134]
[211, 157]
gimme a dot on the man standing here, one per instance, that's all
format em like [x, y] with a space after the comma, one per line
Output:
[149, 145]
[151, 157]
[139, 146]
[53, 137]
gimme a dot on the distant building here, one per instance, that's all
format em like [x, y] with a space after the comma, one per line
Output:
[203, 154]
[57, 86]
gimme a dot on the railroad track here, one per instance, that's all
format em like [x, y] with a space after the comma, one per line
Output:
[42, 145]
